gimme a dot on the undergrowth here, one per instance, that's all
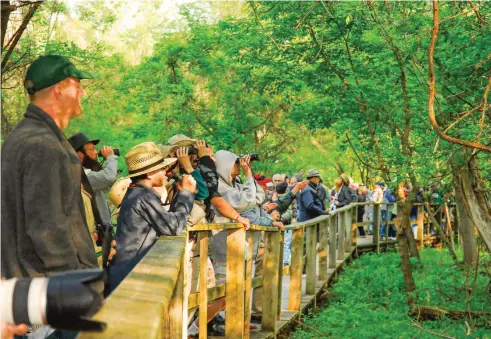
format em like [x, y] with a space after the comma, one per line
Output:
[369, 301]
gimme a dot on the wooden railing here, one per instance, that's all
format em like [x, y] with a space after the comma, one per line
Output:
[151, 303]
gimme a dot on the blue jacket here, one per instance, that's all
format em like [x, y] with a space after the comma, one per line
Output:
[310, 205]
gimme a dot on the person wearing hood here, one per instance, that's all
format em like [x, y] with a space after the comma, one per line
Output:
[310, 205]
[245, 198]
[342, 195]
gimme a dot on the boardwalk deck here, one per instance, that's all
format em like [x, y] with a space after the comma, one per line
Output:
[288, 318]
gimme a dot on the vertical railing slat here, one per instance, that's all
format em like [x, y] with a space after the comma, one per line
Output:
[296, 267]
[323, 250]
[341, 235]
[311, 259]
[235, 286]
[270, 281]
[248, 286]
[203, 284]
[332, 242]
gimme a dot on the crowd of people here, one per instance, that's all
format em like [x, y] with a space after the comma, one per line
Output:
[54, 195]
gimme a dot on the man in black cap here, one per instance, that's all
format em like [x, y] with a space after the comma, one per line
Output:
[43, 219]
[100, 178]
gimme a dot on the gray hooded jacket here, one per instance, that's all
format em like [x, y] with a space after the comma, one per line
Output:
[242, 197]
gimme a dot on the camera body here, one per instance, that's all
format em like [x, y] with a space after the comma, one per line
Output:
[65, 301]
[115, 150]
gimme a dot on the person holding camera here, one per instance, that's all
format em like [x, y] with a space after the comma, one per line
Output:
[142, 217]
[100, 178]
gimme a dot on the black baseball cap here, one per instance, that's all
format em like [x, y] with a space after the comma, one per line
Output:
[49, 70]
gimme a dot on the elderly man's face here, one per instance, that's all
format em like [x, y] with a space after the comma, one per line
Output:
[315, 180]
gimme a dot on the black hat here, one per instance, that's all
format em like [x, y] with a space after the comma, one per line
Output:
[281, 188]
[80, 139]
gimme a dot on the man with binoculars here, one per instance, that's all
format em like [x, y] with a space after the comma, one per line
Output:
[100, 177]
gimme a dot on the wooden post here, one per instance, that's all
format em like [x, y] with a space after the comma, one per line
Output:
[203, 284]
[332, 242]
[280, 271]
[323, 250]
[175, 324]
[341, 235]
[354, 221]
[296, 267]
[420, 221]
[270, 281]
[347, 231]
[311, 259]
[376, 226]
[248, 286]
[234, 287]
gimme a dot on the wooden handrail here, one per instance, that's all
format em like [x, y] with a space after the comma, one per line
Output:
[138, 306]
[152, 303]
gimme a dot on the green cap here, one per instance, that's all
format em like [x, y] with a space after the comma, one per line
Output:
[49, 70]
[311, 173]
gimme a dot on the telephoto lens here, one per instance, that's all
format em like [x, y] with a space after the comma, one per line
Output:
[65, 301]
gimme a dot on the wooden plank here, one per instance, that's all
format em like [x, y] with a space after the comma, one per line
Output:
[341, 235]
[332, 242]
[296, 267]
[376, 226]
[235, 285]
[215, 227]
[203, 286]
[311, 259]
[280, 271]
[248, 286]
[323, 250]
[421, 238]
[270, 281]
[214, 293]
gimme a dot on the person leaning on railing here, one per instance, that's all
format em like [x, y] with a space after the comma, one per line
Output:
[142, 217]
[178, 146]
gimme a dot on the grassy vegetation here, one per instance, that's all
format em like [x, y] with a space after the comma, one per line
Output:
[369, 300]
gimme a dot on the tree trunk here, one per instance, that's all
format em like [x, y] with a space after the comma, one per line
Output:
[466, 229]
[468, 179]
[403, 242]
[443, 237]
[6, 10]
[406, 225]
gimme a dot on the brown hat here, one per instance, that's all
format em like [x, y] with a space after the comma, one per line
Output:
[345, 178]
[146, 158]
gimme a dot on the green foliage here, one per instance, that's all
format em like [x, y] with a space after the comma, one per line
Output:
[369, 301]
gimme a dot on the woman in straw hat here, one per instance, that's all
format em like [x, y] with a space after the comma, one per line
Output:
[142, 217]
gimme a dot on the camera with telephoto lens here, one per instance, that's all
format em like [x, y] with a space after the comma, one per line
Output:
[65, 301]
[253, 157]
[115, 150]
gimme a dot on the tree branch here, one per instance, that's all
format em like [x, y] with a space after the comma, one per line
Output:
[432, 81]
[16, 37]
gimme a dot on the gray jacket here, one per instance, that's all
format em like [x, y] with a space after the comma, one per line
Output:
[44, 229]
[101, 181]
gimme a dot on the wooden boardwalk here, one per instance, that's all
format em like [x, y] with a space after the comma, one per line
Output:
[288, 318]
